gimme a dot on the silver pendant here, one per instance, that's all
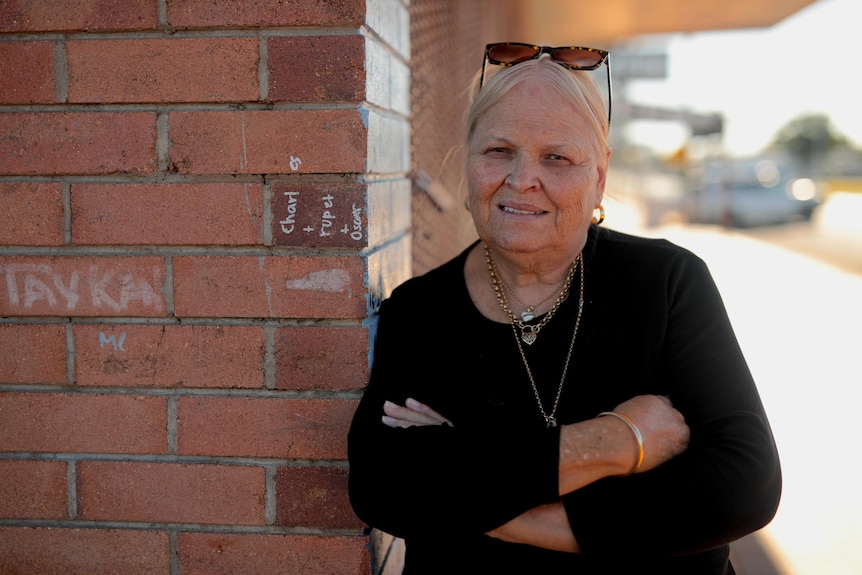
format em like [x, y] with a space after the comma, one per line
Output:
[528, 314]
[550, 421]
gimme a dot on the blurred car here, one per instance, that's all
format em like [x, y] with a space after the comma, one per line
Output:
[749, 193]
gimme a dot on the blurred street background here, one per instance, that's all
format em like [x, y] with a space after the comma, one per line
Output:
[794, 294]
[746, 147]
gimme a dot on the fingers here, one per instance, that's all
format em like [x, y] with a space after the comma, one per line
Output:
[412, 413]
[427, 411]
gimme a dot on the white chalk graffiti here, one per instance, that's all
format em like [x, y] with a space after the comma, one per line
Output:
[30, 284]
[327, 218]
[118, 346]
[287, 224]
[356, 234]
[334, 280]
[295, 163]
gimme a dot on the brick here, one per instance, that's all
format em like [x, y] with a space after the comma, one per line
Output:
[389, 143]
[321, 358]
[268, 142]
[33, 490]
[171, 492]
[31, 214]
[264, 427]
[32, 354]
[169, 356]
[254, 13]
[73, 423]
[27, 69]
[163, 70]
[177, 214]
[90, 143]
[389, 211]
[53, 551]
[314, 497]
[82, 286]
[317, 68]
[77, 15]
[228, 554]
[300, 287]
[319, 215]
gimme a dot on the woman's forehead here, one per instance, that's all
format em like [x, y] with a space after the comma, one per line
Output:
[530, 110]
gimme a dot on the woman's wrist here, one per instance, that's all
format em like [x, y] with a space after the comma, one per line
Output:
[639, 453]
[592, 450]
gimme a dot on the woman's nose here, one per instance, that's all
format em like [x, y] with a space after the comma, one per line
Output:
[523, 176]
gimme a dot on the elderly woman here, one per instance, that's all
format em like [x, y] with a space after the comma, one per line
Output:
[560, 397]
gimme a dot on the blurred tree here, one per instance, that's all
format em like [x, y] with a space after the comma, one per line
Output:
[808, 139]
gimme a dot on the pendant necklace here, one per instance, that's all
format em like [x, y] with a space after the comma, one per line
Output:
[529, 332]
[550, 418]
[529, 312]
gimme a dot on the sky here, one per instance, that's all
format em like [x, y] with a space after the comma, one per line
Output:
[760, 79]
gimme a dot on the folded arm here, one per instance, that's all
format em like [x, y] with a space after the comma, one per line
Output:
[589, 451]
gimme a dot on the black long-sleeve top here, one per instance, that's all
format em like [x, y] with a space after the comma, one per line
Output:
[653, 323]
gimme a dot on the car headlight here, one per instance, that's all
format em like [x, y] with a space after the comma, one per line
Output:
[802, 189]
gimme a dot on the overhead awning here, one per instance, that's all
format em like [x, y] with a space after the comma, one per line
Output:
[603, 22]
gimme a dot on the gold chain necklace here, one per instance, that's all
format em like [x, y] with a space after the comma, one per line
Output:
[550, 418]
[529, 310]
[529, 332]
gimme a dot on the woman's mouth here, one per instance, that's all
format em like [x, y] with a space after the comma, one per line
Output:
[518, 212]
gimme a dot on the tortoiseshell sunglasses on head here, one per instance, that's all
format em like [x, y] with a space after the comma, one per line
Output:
[572, 57]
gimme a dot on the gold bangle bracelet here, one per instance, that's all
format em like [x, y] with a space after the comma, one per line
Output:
[638, 437]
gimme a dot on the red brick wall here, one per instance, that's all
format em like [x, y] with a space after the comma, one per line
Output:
[201, 202]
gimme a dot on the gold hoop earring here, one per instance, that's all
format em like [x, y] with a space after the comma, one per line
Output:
[601, 216]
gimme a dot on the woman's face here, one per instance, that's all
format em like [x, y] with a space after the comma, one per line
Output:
[533, 174]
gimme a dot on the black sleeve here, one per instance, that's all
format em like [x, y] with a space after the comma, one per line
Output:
[728, 482]
[466, 479]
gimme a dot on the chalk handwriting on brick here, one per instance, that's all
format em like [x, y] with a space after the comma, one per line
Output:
[334, 280]
[320, 215]
[356, 234]
[288, 223]
[327, 217]
[118, 345]
[28, 285]
[35, 288]
[295, 163]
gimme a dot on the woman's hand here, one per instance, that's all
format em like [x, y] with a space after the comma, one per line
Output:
[545, 526]
[665, 433]
[412, 413]
[605, 446]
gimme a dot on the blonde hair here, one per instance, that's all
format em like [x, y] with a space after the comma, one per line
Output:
[576, 86]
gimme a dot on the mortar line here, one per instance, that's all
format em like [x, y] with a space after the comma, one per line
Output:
[72, 487]
[67, 213]
[271, 495]
[61, 71]
[172, 424]
[269, 357]
[263, 68]
[71, 354]
[163, 142]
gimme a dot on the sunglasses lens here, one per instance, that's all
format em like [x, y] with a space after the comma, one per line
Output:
[578, 57]
[511, 53]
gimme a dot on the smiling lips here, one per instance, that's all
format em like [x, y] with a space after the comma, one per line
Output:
[518, 212]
